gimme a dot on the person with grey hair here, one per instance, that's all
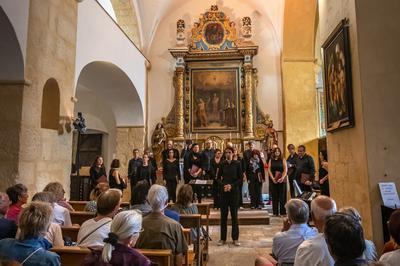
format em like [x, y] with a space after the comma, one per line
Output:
[4, 204]
[315, 251]
[8, 228]
[160, 231]
[295, 230]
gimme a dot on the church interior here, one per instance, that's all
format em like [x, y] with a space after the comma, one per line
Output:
[177, 86]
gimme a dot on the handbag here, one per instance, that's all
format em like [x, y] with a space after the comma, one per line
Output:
[304, 178]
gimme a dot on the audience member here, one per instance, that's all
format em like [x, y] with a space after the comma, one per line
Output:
[393, 258]
[4, 204]
[314, 251]
[91, 206]
[124, 232]
[295, 231]
[370, 254]
[8, 228]
[18, 194]
[139, 197]
[114, 177]
[93, 231]
[61, 213]
[345, 239]
[53, 234]
[31, 249]
[161, 232]
[184, 203]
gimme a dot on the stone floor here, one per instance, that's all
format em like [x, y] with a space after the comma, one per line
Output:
[255, 240]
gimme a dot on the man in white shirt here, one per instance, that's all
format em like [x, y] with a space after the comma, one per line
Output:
[295, 230]
[94, 231]
[315, 251]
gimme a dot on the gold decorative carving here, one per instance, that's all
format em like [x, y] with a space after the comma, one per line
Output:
[248, 94]
[178, 83]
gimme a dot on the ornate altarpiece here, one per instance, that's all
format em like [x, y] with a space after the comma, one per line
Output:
[215, 82]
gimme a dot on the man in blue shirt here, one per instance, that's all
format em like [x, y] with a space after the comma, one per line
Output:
[295, 231]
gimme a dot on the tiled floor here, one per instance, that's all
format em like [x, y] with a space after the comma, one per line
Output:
[255, 240]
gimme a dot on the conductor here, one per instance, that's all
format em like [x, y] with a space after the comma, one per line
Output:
[230, 177]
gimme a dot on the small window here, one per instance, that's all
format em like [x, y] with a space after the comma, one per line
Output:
[51, 105]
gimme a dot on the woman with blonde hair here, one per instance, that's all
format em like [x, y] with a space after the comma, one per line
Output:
[124, 232]
[61, 209]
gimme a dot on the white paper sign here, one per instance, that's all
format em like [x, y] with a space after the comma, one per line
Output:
[389, 195]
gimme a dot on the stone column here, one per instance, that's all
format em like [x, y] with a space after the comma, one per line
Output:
[179, 111]
[248, 104]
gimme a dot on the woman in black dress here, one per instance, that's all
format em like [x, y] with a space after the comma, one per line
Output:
[277, 172]
[323, 173]
[171, 175]
[97, 172]
[215, 165]
[146, 171]
[255, 179]
[196, 168]
[115, 178]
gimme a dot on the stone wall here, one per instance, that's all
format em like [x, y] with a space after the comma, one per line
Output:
[44, 155]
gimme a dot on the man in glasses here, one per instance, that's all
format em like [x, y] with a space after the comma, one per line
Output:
[230, 177]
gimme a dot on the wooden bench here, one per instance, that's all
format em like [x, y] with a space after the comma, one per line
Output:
[79, 206]
[81, 217]
[204, 210]
[70, 232]
[193, 221]
[73, 256]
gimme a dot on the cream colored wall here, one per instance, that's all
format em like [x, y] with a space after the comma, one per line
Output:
[44, 155]
[161, 92]
[298, 74]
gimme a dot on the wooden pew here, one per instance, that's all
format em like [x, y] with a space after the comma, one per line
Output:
[70, 232]
[81, 217]
[79, 206]
[73, 256]
[193, 221]
[204, 210]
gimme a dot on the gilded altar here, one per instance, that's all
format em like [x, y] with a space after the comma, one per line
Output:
[215, 83]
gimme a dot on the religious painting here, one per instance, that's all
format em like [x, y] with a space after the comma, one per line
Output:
[215, 100]
[337, 79]
[214, 33]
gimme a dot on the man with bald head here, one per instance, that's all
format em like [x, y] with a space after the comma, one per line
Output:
[315, 251]
[170, 146]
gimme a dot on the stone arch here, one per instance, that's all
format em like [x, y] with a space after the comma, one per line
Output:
[50, 115]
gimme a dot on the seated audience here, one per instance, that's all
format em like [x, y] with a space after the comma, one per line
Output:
[124, 232]
[184, 203]
[295, 231]
[139, 197]
[314, 251]
[31, 249]
[54, 233]
[91, 206]
[345, 239]
[18, 194]
[94, 231]
[393, 258]
[61, 210]
[370, 254]
[161, 232]
[8, 228]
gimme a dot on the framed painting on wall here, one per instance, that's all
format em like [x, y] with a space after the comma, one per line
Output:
[337, 79]
[215, 100]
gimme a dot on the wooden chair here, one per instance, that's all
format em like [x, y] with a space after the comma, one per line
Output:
[70, 232]
[204, 210]
[81, 217]
[193, 221]
[73, 256]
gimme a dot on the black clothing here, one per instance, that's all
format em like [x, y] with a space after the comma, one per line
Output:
[8, 228]
[171, 174]
[304, 165]
[230, 173]
[241, 161]
[185, 156]
[255, 179]
[113, 182]
[291, 165]
[153, 162]
[197, 160]
[208, 155]
[325, 186]
[216, 191]
[278, 190]
[147, 173]
[247, 154]
[165, 154]
[95, 174]
[133, 166]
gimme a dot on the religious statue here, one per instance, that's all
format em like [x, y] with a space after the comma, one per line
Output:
[271, 136]
[246, 28]
[159, 136]
[201, 113]
[180, 32]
